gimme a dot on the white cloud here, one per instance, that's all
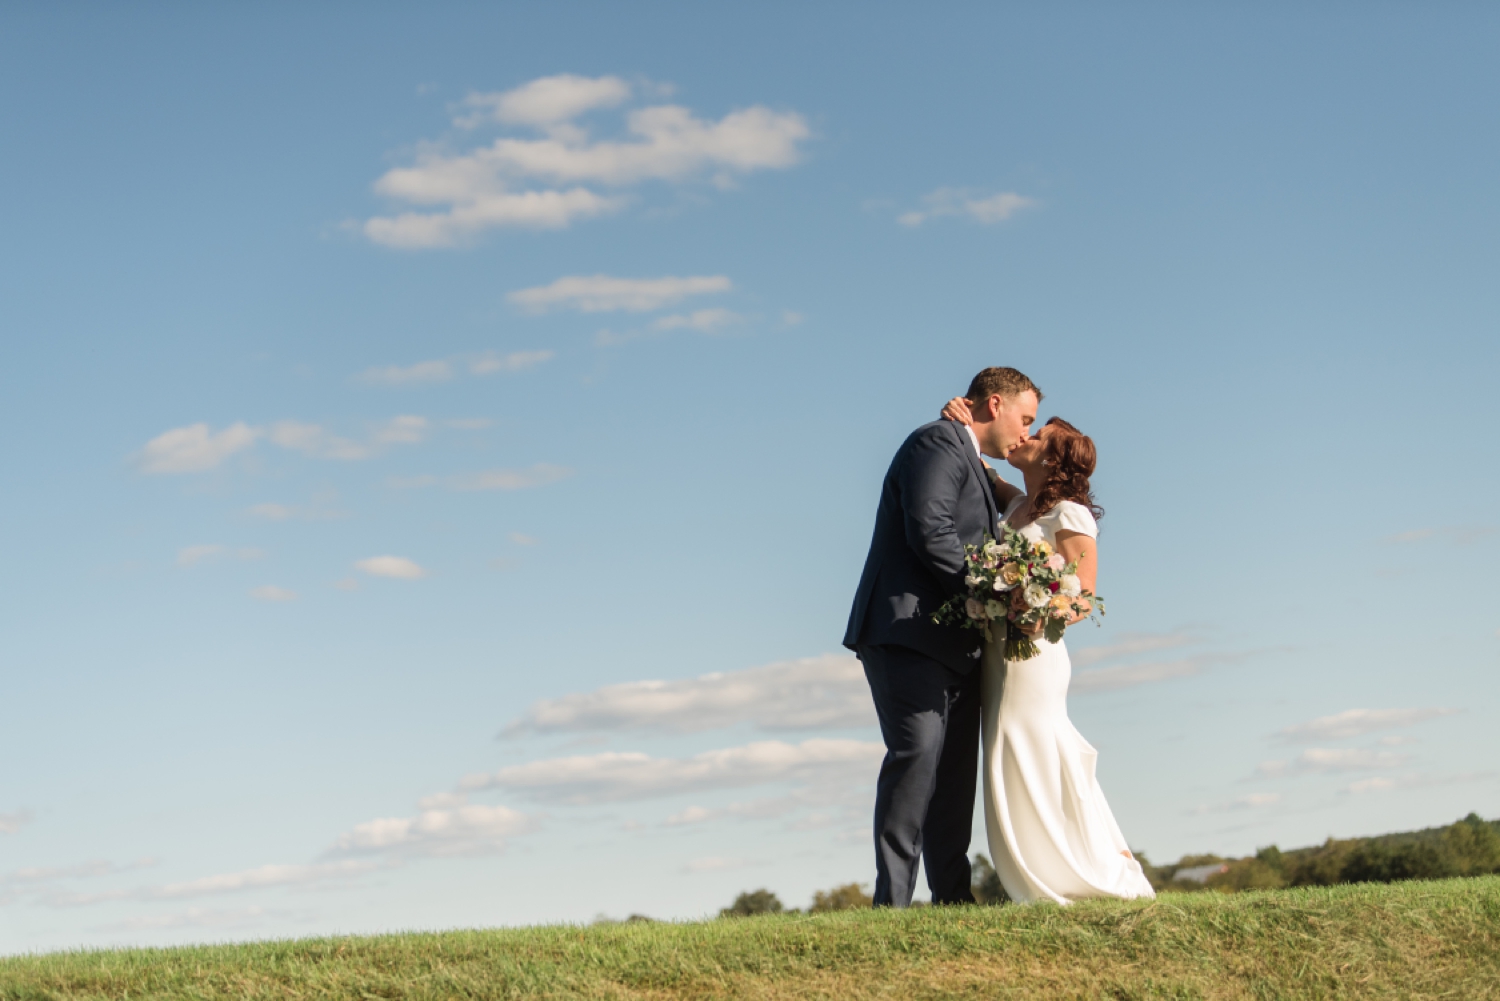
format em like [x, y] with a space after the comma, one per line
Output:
[811, 693]
[985, 209]
[398, 567]
[407, 429]
[270, 592]
[704, 321]
[444, 369]
[315, 442]
[539, 182]
[457, 829]
[539, 475]
[1357, 723]
[517, 361]
[616, 775]
[190, 555]
[423, 371]
[262, 876]
[522, 539]
[194, 448]
[605, 294]
[1250, 801]
[1324, 760]
[692, 815]
[791, 318]
[481, 211]
[37, 875]
[546, 101]
[10, 823]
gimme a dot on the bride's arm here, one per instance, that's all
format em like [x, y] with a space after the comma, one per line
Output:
[957, 409]
[1078, 546]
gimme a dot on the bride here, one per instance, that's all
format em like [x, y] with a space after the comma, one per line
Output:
[1051, 833]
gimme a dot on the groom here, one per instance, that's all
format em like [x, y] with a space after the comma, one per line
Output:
[935, 500]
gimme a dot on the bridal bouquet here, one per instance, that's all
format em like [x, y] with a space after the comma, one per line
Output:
[1020, 583]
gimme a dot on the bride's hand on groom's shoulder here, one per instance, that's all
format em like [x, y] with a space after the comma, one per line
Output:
[957, 409]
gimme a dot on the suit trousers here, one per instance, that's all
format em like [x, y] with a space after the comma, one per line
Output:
[924, 800]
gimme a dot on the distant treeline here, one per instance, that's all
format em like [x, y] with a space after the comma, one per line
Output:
[1469, 847]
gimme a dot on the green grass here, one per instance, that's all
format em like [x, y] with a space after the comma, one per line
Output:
[1403, 940]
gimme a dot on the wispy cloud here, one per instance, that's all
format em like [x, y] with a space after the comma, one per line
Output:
[12, 822]
[445, 369]
[1382, 783]
[1454, 535]
[261, 877]
[1324, 760]
[812, 693]
[705, 321]
[539, 475]
[1357, 723]
[617, 776]
[193, 555]
[1249, 801]
[607, 294]
[398, 567]
[1129, 645]
[272, 593]
[195, 448]
[447, 830]
[1107, 679]
[552, 178]
[982, 208]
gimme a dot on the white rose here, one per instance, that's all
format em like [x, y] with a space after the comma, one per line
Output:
[991, 549]
[1000, 585]
[1036, 595]
[973, 581]
[1071, 585]
[994, 609]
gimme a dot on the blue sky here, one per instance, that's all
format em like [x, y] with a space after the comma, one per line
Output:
[444, 442]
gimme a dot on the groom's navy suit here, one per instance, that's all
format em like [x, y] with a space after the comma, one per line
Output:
[935, 500]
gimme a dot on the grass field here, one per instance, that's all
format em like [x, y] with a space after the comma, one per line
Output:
[1402, 940]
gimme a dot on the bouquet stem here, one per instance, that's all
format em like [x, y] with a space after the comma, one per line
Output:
[1018, 645]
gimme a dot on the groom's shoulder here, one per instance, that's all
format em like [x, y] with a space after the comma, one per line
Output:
[937, 436]
[935, 431]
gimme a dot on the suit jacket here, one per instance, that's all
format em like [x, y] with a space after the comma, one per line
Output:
[936, 499]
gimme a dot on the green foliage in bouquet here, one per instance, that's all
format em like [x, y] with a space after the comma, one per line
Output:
[1021, 584]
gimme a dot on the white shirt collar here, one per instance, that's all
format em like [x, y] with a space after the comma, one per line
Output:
[975, 439]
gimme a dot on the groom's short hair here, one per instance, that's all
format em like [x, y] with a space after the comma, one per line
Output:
[1006, 382]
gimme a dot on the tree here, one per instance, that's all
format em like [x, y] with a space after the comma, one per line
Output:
[753, 902]
[841, 898]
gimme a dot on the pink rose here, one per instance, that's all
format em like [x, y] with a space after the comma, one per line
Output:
[1056, 562]
[975, 608]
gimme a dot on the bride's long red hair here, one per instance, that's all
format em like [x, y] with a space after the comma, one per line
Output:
[1070, 456]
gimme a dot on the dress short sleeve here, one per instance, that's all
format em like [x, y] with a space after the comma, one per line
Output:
[1070, 516]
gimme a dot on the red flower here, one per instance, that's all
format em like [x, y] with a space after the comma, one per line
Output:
[1054, 586]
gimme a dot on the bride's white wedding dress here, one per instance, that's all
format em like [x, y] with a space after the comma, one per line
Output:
[1051, 833]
